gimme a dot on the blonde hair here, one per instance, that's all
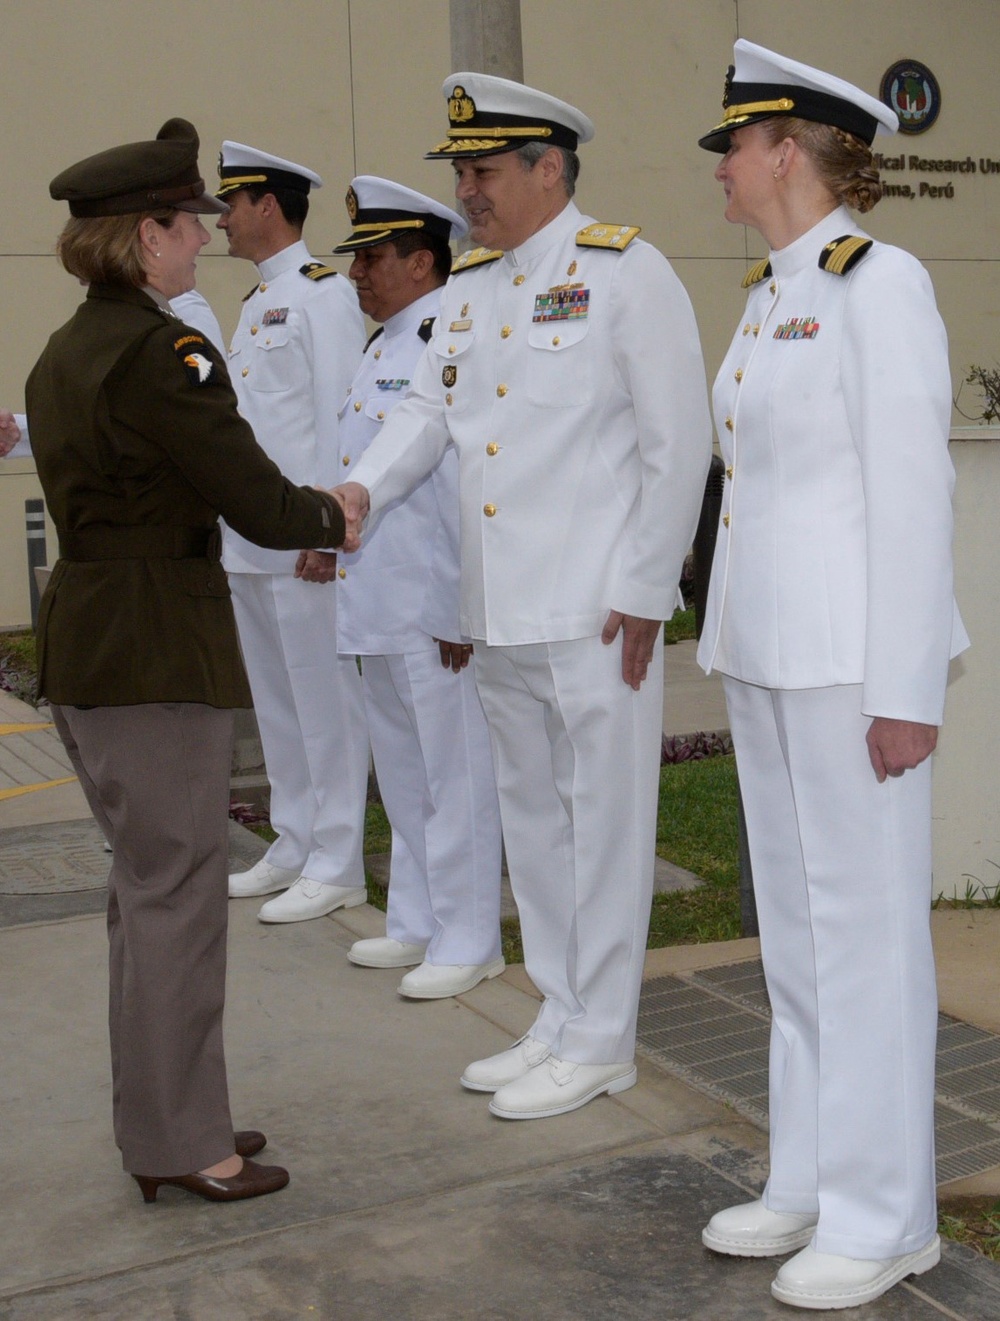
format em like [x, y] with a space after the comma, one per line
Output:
[108, 249]
[843, 162]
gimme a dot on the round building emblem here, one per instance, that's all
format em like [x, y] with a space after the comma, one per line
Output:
[909, 88]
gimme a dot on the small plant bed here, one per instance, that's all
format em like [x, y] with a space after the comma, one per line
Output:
[17, 665]
[974, 1221]
[978, 894]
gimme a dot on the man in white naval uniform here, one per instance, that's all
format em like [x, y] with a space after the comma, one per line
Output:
[566, 370]
[397, 608]
[291, 360]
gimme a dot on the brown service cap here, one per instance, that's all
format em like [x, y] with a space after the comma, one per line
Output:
[139, 176]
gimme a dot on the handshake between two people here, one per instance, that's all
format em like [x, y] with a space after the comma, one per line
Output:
[317, 566]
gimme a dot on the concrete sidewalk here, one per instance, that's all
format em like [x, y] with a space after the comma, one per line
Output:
[408, 1200]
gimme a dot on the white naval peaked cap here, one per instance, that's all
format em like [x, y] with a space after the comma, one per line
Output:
[489, 115]
[380, 210]
[761, 84]
[241, 166]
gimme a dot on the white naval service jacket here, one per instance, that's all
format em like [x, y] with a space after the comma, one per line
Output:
[583, 443]
[401, 588]
[833, 563]
[291, 361]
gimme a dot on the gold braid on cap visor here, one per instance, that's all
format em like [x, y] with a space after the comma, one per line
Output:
[735, 112]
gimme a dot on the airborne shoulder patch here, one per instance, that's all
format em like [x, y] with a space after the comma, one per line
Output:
[615, 237]
[315, 270]
[757, 273]
[477, 257]
[198, 366]
[843, 254]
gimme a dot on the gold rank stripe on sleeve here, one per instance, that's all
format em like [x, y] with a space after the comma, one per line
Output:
[757, 273]
[477, 257]
[843, 254]
[615, 237]
[315, 270]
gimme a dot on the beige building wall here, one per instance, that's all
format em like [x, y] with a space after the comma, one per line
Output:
[352, 86]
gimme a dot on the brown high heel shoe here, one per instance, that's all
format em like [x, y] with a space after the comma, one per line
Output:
[252, 1181]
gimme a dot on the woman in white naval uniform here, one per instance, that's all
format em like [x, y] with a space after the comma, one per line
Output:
[831, 617]
[396, 596]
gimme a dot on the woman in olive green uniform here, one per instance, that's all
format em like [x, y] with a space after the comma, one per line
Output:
[139, 449]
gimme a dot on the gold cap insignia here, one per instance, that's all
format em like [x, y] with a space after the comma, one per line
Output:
[352, 204]
[730, 74]
[461, 108]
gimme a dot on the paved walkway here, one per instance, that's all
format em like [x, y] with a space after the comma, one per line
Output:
[408, 1200]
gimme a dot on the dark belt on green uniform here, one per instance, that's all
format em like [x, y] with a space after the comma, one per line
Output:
[142, 543]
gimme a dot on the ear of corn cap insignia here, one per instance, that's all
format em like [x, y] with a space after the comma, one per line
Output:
[757, 273]
[615, 237]
[843, 254]
[461, 107]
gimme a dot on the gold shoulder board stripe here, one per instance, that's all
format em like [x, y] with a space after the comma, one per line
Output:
[757, 273]
[615, 237]
[843, 254]
[315, 270]
[477, 257]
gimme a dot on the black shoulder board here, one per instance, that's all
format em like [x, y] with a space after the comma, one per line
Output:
[315, 270]
[477, 257]
[757, 273]
[843, 254]
[615, 237]
[426, 328]
[250, 292]
[372, 338]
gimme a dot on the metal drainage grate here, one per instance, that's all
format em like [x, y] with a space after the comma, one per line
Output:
[711, 1028]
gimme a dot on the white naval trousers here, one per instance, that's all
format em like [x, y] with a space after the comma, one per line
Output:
[842, 875]
[435, 772]
[310, 712]
[577, 755]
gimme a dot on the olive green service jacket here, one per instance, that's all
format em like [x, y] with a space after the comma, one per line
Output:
[140, 448]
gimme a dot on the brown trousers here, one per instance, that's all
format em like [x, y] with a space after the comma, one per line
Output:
[156, 777]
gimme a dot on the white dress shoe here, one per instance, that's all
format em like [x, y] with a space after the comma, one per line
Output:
[262, 878]
[436, 981]
[751, 1230]
[555, 1087]
[824, 1282]
[384, 952]
[307, 899]
[496, 1071]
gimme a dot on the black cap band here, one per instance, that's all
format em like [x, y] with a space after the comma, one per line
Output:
[232, 177]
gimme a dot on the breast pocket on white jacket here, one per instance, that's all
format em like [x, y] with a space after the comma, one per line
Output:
[276, 361]
[557, 366]
[452, 352]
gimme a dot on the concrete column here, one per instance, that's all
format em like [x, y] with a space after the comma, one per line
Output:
[486, 37]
